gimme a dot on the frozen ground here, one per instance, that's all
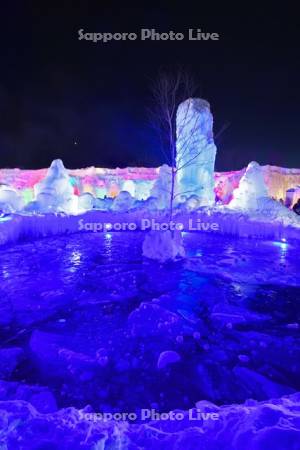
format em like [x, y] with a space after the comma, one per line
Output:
[85, 320]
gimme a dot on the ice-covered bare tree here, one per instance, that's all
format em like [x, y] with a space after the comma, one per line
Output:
[169, 90]
[185, 127]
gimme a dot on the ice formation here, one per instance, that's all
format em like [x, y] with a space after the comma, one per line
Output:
[55, 191]
[122, 202]
[282, 184]
[279, 181]
[10, 200]
[86, 202]
[163, 245]
[196, 151]
[251, 189]
[270, 424]
[162, 187]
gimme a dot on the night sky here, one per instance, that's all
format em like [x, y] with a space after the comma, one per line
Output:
[87, 103]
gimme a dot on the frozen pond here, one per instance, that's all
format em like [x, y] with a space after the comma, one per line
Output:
[87, 317]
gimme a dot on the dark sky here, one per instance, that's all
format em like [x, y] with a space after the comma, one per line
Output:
[87, 102]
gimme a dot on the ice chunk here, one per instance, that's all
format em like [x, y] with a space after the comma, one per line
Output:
[86, 202]
[163, 245]
[166, 358]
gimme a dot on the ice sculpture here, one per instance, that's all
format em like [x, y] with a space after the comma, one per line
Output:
[196, 151]
[55, 191]
[162, 187]
[251, 189]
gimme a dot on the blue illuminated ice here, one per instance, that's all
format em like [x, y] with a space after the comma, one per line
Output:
[196, 150]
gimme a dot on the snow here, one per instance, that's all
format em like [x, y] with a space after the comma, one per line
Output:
[196, 151]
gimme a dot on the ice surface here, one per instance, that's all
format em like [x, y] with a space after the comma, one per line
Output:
[196, 151]
[96, 317]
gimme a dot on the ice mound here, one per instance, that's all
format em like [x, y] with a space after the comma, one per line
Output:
[123, 202]
[163, 246]
[162, 187]
[196, 151]
[86, 202]
[10, 200]
[251, 190]
[252, 196]
[55, 191]
[103, 204]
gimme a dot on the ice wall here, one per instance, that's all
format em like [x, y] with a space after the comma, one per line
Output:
[196, 151]
[103, 182]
